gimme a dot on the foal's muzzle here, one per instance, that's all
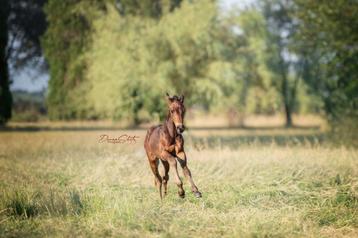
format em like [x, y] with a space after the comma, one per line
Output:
[180, 128]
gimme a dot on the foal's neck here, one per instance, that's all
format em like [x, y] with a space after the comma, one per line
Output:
[170, 127]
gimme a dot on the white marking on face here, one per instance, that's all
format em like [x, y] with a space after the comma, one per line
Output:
[178, 124]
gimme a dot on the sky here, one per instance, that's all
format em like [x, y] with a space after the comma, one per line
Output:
[30, 80]
[227, 4]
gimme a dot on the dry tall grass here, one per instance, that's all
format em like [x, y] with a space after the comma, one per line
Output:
[274, 184]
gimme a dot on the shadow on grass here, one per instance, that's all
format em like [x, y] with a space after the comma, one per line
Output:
[240, 140]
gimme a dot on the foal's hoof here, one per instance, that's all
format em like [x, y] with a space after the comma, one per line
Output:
[181, 195]
[197, 194]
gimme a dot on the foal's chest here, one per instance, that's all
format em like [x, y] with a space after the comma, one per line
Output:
[174, 145]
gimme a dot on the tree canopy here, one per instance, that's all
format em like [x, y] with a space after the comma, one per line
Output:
[115, 59]
[22, 23]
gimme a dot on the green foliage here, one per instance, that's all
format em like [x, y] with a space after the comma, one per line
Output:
[64, 43]
[132, 63]
[257, 92]
[329, 34]
[284, 64]
[28, 106]
[147, 8]
[190, 50]
[266, 81]
[116, 59]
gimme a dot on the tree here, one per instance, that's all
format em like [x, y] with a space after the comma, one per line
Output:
[5, 95]
[329, 34]
[21, 25]
[69, 37]
[64, 43]
[256, 92]
[146, 58]
[27, 23]
[281, 28]
[332, 42]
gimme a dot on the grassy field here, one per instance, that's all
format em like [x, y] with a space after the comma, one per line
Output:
[255, 183]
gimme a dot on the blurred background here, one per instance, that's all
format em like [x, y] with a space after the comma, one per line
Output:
[242, 64]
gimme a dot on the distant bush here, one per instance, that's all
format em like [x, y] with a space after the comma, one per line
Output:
[344, 131]
[26, 116]
[28, 107]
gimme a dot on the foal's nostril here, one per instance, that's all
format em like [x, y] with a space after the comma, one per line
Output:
[180, 128]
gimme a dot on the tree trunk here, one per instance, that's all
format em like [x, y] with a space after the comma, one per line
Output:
[286, 98]
[288, 114]
[5, 94]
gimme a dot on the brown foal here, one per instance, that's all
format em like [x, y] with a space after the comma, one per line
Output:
[166, 143]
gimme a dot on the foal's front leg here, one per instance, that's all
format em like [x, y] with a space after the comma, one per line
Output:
[183, 163]
[173, 164]
[179, 151]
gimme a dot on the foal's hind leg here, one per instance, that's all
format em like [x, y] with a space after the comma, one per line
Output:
[166, 176]
[157, 178]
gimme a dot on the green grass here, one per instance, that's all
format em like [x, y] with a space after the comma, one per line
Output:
[68, 184]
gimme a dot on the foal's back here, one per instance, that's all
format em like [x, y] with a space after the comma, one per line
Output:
[152, 140]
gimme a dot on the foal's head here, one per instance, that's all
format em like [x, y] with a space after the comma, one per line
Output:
[177, 111]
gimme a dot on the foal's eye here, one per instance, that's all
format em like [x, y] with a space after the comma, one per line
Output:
[171, 111]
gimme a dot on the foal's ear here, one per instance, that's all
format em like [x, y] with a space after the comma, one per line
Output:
[169, 98]
[181, 98]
